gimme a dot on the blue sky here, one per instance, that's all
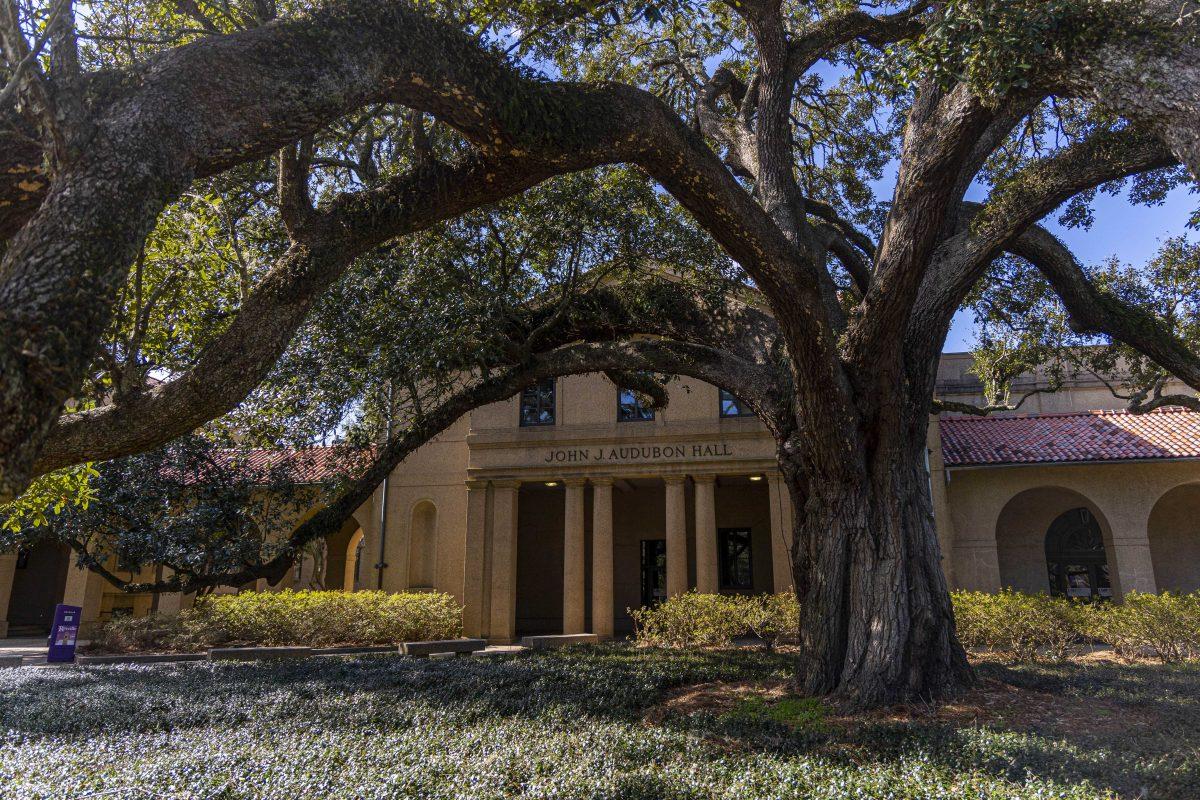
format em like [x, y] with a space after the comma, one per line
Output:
[1131, 233]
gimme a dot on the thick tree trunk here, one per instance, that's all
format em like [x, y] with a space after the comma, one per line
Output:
[877, 626]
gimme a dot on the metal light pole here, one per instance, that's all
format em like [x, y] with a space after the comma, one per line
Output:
[383, 501]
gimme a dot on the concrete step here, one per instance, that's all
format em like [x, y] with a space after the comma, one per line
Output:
[27, 631]
[140, 658]
[558, 640]
[421, 649]
[257, 653]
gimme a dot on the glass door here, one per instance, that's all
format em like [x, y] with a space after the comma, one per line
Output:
[654, 571]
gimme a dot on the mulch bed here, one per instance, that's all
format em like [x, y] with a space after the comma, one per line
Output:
[993, 703]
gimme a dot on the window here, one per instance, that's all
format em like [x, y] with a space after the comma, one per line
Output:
[630, 408]
[732, 407]
[537, 404]
[733, 550]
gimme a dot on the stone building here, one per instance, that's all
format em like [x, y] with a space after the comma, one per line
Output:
[562, 508]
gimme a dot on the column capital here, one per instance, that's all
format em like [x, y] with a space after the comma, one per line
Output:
[705, 478]
[476, 483]
[507, 483]
[674, 480]
[603, 480]
[575, 481]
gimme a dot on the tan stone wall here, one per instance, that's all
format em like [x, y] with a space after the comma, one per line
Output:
[1121, 495]
[1175, 539]
[433, 476]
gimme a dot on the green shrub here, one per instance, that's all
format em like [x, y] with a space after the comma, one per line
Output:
[317, 619]
[1024, 627]
[713, 620]
[773, 617]
[691, 620]
[1167, 624]
[155, 633]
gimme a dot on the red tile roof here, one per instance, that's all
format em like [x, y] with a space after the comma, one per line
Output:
[1082, 436]
[308, 465]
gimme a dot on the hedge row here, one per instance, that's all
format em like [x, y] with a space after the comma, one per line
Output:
[714, 620]
[1023, 627]
[1031, 627]
[317, 619]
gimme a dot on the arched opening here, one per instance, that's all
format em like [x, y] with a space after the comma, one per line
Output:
[1174, 530]
[352, 576]
[39, 579]
[342, 551]
[422, 547]
[1076, 563]
[1035, 534]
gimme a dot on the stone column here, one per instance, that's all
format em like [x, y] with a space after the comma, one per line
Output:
[174, 602]
[503, 627]
[574, 558]
[171, 602]
[977, 561]
[352, 558]
[707, 579]
[602, 557]
[677, 564]
[782, 520]
[86, 590]
[1131, 548]
[474, 554]
[8, 568]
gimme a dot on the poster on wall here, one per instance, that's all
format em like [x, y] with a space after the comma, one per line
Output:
[63, 634]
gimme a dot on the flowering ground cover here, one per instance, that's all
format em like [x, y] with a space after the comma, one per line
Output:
[610, 722]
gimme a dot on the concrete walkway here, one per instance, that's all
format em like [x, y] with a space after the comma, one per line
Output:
[32, 649]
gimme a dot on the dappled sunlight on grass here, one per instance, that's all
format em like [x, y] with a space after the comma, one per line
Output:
[613, 722]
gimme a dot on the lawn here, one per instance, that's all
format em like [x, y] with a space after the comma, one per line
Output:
[612, 722]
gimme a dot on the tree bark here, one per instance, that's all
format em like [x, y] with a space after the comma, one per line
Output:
[877, 626]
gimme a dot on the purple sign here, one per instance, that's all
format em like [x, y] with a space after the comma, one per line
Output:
[63, 634]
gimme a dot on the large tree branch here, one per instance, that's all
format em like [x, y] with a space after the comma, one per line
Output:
[939, 141]
[23, 178]
[1150, 74]
[986, 230]
[1095, 311]
[822, 38]
[225, 100]
[733, 132]
[242, 356]
[237, 360]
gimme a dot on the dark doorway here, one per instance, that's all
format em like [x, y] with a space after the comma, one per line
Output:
[735, 567]
[1075, 557]
[38, 584]
[654, 571]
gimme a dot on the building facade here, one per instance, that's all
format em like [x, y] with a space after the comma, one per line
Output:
[561, 509]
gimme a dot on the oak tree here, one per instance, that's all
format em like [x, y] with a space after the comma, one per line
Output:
[765, 121]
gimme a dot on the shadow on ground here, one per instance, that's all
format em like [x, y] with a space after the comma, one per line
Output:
[1130, 729]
